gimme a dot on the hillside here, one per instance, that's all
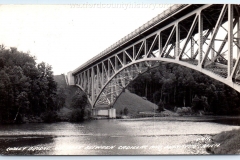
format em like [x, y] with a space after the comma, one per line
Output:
[69, 90]
[60, 79]
[134, 103]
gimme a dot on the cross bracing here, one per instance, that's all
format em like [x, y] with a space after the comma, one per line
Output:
[205, 38]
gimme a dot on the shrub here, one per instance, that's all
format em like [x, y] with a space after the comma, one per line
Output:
[125, 111]
[160, 106]
[50, 117]
[77, 115]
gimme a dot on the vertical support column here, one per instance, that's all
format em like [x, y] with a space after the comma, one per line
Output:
[88, 75]
[134, 53]
[92, 80]
[102, 76]
[97, 81]
[76, 79]
[176, 53]
[160, 43]
[81, 78]
[124, 58]
[116, 64]
[111, 100]
[85, 81]
[192, 46]
[230, 39]
[109, 70]
[124, 63]
[145, 47]
[200, 30]
[213, 49]
[116, 78]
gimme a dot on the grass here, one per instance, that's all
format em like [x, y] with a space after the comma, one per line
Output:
[229, 142]
[134, 103]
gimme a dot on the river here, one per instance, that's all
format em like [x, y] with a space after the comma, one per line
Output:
[145, 136]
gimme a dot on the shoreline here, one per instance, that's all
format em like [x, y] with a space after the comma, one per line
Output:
[181, 118]
[133, 118]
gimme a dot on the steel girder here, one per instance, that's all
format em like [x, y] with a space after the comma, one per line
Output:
[188, 41]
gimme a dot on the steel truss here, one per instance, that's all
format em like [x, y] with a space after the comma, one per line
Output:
[206, 39]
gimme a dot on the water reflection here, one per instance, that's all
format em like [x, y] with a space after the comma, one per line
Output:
[92, 137]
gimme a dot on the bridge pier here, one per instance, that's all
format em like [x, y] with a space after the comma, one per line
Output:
[104, 112]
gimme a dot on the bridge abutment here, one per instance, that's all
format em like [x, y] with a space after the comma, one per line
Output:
[70, 78]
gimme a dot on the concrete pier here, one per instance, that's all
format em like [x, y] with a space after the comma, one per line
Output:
[104, 112]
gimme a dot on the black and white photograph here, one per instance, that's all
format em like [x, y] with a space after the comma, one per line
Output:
[119, 78]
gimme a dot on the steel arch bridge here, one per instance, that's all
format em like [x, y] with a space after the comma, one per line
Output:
[202, 37]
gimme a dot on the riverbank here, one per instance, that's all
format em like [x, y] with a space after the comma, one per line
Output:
[229, 142]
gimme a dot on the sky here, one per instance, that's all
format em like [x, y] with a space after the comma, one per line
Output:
[66, 36]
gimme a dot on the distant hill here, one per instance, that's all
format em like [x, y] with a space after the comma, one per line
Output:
[134, 103]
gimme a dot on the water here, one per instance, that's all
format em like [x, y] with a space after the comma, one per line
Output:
[147, 136]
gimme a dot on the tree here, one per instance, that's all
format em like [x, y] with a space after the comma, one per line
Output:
[160, 106]
[25, 89]
[79, 103]
[176, 85]
[79, 100]
[59, 99]
[125, 111]
[6, 95]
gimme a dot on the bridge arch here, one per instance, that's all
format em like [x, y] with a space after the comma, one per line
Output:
[120, 80]
[132, 71]
[89, 100]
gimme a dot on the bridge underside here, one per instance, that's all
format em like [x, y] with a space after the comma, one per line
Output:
[206, 39]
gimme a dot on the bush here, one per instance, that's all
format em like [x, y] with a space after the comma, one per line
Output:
[79, 100]
[50, 117]
[77, 115]
[200, 104]
[160, 106]
[125, 111]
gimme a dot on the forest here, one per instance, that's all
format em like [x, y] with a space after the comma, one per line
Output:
[172, 85]
[26, 88]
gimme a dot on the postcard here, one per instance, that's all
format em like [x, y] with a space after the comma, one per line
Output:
[120, 79]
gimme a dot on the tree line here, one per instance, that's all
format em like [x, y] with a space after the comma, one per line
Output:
[172, 85]
[26, 88]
